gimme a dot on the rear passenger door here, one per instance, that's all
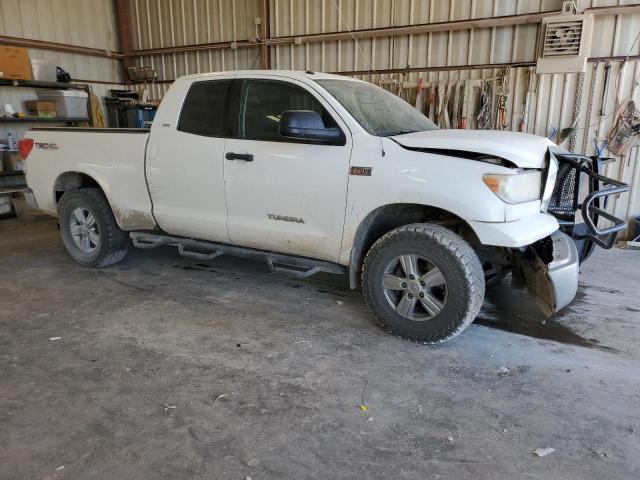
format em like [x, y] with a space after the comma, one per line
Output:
[282, 194]
[185, 162]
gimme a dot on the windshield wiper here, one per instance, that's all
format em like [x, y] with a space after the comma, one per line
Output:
[400, 132]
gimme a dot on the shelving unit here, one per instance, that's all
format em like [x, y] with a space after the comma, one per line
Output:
[53, 86]
[14, 181]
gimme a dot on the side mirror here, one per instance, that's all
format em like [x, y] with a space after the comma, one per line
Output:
[307, 125]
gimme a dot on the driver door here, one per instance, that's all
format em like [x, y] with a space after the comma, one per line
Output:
[285, 195]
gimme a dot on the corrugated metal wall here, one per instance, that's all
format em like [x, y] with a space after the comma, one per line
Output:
[78, 22]
[88, 23]
[172, 23]
[540, 104]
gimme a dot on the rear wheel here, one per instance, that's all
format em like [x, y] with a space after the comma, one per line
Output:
[89, 230]
[423, 282]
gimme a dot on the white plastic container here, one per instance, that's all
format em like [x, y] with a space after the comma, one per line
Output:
[69, 103]
[43, 70]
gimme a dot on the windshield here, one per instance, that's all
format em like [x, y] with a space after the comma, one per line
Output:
[379, 112]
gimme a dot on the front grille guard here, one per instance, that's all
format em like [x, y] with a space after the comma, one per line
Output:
[564, 201]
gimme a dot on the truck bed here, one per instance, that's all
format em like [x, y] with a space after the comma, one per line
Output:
[114, 158]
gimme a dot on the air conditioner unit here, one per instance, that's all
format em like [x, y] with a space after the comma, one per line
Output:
[565, 41]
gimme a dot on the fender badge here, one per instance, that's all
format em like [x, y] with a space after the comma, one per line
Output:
[46, 146]
[362, 171]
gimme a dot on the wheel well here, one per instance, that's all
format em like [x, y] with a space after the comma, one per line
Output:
[72, 181]
[389, 217]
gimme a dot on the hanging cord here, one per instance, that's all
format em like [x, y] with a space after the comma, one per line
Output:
[364, 55]
[569, 134]
[485, 115]
[625, 128]
[503, 93]
[592, 94]
[622, 66]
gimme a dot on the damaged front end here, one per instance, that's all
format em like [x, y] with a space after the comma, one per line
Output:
[549, 268]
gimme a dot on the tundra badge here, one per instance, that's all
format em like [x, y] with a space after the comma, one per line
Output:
[284, 218]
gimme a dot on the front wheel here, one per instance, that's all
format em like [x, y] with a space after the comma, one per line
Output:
[423, 282]
[89, 230]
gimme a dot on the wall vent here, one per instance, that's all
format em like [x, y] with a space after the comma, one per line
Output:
[565, 42]
[562, 38]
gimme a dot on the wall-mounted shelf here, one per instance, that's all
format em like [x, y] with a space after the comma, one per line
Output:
[12, 180]
[42, 119]
[7, 191]
[4, 82]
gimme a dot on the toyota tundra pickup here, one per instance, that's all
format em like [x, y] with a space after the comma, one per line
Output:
[324, 173]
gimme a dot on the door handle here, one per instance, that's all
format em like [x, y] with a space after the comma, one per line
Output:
[247, 157]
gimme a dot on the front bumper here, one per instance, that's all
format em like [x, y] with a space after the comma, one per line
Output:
[563, 271]
[518, 233]
[550, 271]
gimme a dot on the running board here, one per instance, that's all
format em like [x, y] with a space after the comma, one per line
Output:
[299, 267]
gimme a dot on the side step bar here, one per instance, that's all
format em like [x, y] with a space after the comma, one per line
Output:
[299, 267]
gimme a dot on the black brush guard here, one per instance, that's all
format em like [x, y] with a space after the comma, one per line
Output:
[564, 201]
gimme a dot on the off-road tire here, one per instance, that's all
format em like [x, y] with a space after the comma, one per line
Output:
[459, 265]
[114, 242]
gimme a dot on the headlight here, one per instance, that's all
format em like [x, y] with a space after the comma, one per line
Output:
[550, 182]
[523, 186]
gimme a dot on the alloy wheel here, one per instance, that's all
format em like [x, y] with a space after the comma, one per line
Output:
[414, 287]
[84, 230]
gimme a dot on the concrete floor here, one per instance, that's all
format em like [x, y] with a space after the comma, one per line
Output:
[169, 368]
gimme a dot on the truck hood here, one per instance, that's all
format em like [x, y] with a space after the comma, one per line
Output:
[522, 149]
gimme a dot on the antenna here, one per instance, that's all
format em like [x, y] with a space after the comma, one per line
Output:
[364, 56]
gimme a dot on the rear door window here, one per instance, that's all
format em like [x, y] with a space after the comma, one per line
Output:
[203, 108]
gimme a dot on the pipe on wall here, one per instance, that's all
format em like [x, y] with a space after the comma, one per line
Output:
[58, 47]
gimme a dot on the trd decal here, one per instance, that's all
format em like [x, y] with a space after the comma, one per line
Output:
[46, 146]
[362, 171]
[284, 218]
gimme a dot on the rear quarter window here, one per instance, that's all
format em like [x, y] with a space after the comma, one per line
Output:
[203, 107]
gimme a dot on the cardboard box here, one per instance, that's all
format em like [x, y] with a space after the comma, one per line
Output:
[13, 162]
[41, 108]
[14, 63]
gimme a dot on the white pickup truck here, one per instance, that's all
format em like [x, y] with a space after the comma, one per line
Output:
[317, 172]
